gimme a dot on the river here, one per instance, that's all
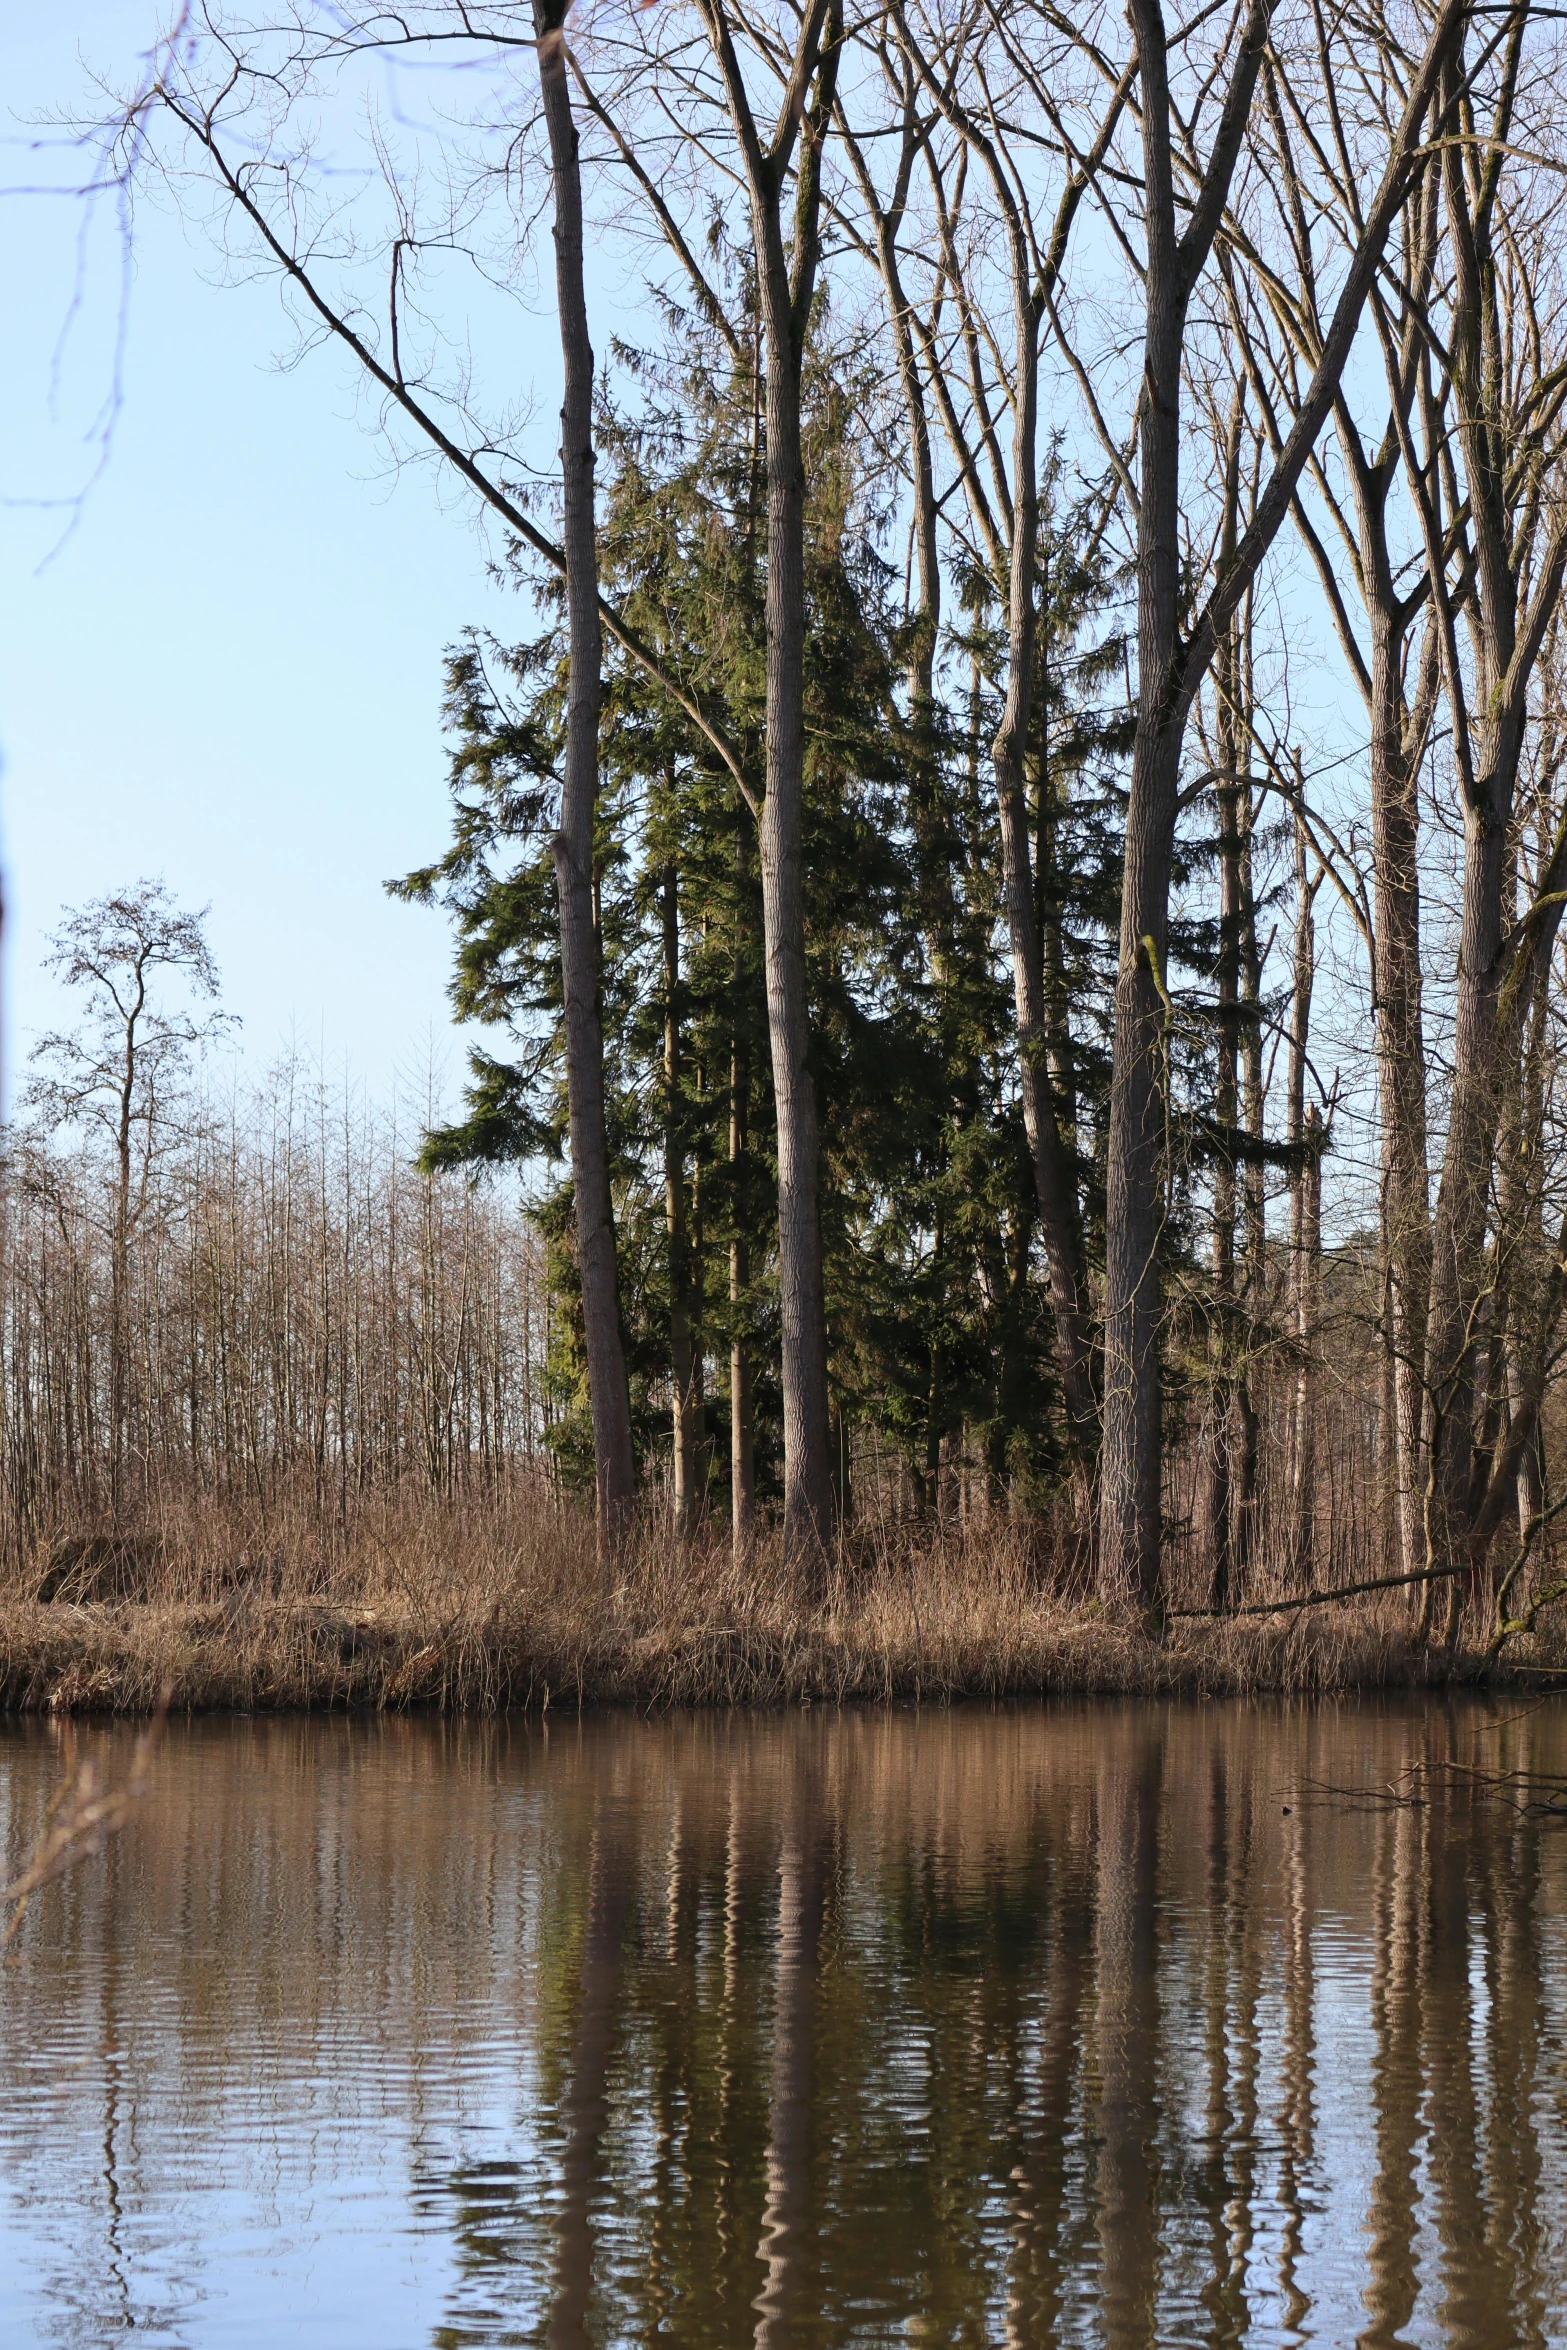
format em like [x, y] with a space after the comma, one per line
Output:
[1115, 2024]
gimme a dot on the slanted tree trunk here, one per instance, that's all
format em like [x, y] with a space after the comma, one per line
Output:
[593, 1208]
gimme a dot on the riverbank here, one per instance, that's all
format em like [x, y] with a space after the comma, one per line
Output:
[487, 1611]
[294, 1657]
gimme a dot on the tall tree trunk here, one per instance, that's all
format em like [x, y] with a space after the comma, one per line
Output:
[119, 1266]
[1244, 1498]
[1130, 1464]
[786, 277]
[1458, 1269]
[1473, 1115]
[1522, 1224]
[742, 1445]
[1169, 673]
[1398, 728]
[697, 1429]
[1218, 1498]
[615, 1471]
[1055, 1191]
[1517, 585]
[938, 912]
[1304, 1135]
[802, 1300]
[682, 1378]
[1401, 1063]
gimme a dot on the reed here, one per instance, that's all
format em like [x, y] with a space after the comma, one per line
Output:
[504, 1598]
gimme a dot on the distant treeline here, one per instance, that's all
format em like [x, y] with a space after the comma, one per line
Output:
[300, 1313]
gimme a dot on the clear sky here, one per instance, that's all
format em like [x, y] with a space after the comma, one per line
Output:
[230, 673]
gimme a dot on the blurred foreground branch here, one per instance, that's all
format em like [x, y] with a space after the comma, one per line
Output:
[81, 1818]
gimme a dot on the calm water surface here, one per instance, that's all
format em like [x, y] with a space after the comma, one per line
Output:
[1036, 2027]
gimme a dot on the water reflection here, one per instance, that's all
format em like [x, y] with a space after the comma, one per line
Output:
[1054, 2027]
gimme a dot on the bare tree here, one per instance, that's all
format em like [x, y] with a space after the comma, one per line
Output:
[1274, 309]
[787, 259]
[119, 1070]
[1510, 535]
[1172, 662]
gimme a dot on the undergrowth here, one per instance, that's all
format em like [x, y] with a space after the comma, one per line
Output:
[508, 1600]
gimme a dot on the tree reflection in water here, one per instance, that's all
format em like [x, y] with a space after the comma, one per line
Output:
[1031, 2027]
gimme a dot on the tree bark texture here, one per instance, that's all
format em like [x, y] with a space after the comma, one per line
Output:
[1169, 672]
[742, 1442]
[1401, 1057]
[1304, 1133]
[786, 281]
[1517, 585]
[1130, 1465]
[1223, 1336]
[614, 1467]
[684, 1380]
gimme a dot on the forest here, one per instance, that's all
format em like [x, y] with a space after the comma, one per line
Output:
[1008, 884]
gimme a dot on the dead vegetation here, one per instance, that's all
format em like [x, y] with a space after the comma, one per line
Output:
[84, 1812]
[505, 1600]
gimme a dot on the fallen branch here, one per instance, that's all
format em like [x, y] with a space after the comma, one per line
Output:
[1321, 1597]
[1536, 1794]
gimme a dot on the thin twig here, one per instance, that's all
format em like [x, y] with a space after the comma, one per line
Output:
[81, 1818]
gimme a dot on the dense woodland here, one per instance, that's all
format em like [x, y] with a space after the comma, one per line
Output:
[1009, 880]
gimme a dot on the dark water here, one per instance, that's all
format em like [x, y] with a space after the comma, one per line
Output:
[1034, 2027]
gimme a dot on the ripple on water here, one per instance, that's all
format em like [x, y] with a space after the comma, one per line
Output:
[1035, 2026]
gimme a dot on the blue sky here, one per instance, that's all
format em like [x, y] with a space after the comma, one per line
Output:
[229, 674]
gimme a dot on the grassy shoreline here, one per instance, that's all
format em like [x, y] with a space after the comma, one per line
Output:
[508, 1603]
[301, 1655]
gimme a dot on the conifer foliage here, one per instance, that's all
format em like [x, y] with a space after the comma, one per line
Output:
[940, 1345]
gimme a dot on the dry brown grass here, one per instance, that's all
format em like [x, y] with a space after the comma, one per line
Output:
[505, 1601]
